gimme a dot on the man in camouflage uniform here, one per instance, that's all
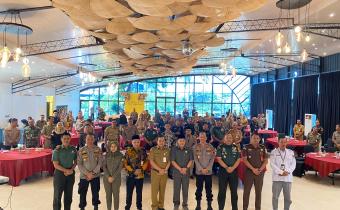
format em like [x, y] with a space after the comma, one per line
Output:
[255, 158]
[135, 163]
[47, 131]
[169, 136]
[204, 156]
[31, 135]
[314, 139]
[112, 133]
[89, 163]
[217, 134]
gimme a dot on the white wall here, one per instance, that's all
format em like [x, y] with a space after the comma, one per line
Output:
[31, 102]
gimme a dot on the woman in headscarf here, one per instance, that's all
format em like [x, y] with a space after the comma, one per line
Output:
[58, 132]
[112, 166]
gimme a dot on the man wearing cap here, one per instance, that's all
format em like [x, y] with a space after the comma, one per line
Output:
[64, 161]
[89, 163]
[41, 123]
[31, 135]
[47, 132]
[228, 156]
[181, 160]
[160, 162]
[204, 157]
[217, 134]
[129, 131]
[150, 136]
[111, 133]
[135, 163]
[282, 162]
[255, 158]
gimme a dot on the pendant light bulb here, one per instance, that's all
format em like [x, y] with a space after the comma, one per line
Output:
[279, 39]
[297, 29]
[298, 37]
[307, 38]
[287, 48]
[304, 55]
[25, 60]
[279, 50]
[17, 54]
[233, 72]
[26, 71]
[5, 54]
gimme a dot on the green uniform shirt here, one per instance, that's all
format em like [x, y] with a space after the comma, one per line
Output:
[218, 132]
[65, 156]
[228, 153]
[150, 135]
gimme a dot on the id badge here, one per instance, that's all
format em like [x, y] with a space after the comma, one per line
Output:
[282, 167]
[164, 159]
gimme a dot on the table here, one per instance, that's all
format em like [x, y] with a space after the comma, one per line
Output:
[18, 165]
[324, 165]
[270, 133]
[292, 142]
[103, 124]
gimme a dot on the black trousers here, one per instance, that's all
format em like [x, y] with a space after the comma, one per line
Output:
[131, 183]
[62, 185]
[82, 190]
[225, 178]
[207, 181]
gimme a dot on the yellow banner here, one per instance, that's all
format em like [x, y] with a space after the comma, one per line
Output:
[134, 101]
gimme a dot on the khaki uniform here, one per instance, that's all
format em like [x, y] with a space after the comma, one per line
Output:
[40, 124]
[12, 137]
[111, 134]
[256, 156]
[128, 132]
[161, 157]
[31, 137]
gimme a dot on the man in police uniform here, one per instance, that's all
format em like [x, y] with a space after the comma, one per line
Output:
[255, 158]
[112, 133]
[135, 163]
[228, 156]
[150, 136]
[181, 160]
[64, 161]
[283, 163]
[160, 163]
[217, 134]
[32, 135]
[204, 157]
[89, 163]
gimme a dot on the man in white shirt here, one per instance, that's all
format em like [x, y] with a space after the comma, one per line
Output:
[282, 161]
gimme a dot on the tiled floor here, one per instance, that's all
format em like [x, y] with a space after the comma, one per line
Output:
[309, 193]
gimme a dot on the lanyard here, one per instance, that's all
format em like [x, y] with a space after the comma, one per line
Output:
[284, 157]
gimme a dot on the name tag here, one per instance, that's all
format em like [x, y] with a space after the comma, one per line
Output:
[283, 167]
[164, 159]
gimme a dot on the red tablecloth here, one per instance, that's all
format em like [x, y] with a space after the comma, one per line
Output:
[324, 165]
[292, 142]
[268, 132]
[103, 124]
[98, 130]
[75, 137]
[19, 165]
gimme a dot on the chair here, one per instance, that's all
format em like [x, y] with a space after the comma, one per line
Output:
[329, 143]
[330, 149]
[308, 149]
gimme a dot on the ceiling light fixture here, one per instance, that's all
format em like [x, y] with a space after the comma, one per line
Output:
[304, 55]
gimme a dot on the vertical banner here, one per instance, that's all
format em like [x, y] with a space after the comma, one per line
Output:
[269, 119]
[134, 101]
[310, 122]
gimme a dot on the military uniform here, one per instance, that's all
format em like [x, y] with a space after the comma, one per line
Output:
[89, 161]
[40, 124]
[66, 157]
[237, 136]
[218, 134]
[161, 157]
[204, 157]
[111, 134]
[229, 154]
[170, 138]
[182, 157]
[256, 156]
[135, 159]
[128, 132]
[112, 167]
[150, 136]
[32, 135]
[314, 140]
[47, 132]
